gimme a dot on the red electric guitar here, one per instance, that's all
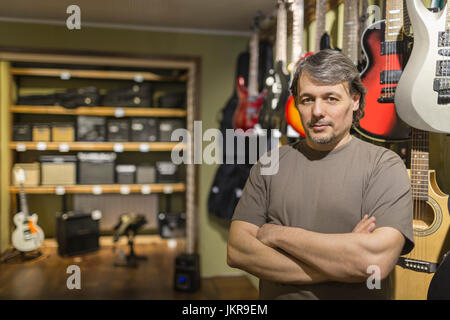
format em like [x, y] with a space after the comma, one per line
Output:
[250, 100]
[384, 46]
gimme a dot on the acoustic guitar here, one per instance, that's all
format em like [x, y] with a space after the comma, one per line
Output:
[423, 93]
[383, 44]
[27, 236]
[431, 222]
[271, 115]
[250, 100]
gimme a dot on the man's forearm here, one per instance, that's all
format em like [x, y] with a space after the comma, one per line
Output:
[342, 257]
[248, 253]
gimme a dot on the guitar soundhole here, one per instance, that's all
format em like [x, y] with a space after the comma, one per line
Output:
[424, 216]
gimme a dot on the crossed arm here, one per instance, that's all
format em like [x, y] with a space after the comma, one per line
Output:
[297, 256]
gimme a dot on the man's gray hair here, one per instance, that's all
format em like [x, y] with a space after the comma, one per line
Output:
[331, 67]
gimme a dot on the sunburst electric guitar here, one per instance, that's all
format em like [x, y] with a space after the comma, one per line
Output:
[384, 46]
[414, 271]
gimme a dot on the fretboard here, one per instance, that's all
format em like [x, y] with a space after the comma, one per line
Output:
[23, 202]
[297, 29]
[394, 20]
[253, 68]
[281, 40]
[350, 48]
[419, 164]
[321, 10]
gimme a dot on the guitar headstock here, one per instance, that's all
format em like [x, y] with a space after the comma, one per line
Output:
[256, 21]
[19, 174]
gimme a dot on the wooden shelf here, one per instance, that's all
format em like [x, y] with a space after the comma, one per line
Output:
[96, 146]
[107, 188]
[67, 74]
[100, 111]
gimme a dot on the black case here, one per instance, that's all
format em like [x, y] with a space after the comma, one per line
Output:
[118, 130]
[87, 96]
[167, 126]
[40, 99]
[172, 100]
[135, 95]
[144, 129]
[166, 172]
[76, 233]
[22, 132]
[96, 168]
[91, 129]
[172, 225]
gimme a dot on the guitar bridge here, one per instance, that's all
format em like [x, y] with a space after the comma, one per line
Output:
[417, 265]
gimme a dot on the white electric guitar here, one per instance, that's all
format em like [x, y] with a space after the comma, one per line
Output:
[28, 236]
[422, 98]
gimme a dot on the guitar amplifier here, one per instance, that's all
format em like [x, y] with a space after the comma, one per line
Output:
[77, 232]
[187, 272]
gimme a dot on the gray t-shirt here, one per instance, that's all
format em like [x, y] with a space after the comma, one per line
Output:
[330, 192]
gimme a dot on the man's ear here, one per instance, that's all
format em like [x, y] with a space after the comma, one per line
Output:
[356, 99]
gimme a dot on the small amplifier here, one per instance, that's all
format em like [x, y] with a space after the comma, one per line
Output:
[187, 272]
[77, 232]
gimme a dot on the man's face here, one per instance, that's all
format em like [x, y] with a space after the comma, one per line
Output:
[326, 112]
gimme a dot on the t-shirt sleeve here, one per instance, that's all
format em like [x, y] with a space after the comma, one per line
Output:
[252, 207]
[388, 197]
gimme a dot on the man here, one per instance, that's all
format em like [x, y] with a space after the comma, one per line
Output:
[338, 211]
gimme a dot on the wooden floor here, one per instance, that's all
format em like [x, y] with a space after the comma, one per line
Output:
[46, 277]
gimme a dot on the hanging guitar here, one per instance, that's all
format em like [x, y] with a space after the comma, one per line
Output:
[383, 44]
[423, 93]
[295, 128]
[431, 222]
[250, 100]
[277, 83]
[28, 236]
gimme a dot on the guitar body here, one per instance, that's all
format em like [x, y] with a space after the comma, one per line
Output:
[27, 236]
[380, 121]
[431, 243]
[277, 88]
[422, 97]
[246, 115]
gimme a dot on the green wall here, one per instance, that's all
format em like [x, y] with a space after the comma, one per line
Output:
[218, 56]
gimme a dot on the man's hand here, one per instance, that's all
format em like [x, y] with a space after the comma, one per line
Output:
[366, 225]
[267, 234]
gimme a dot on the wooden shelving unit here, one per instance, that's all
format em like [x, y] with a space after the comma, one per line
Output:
[104, 67]
[66, 74]
[100, 111]
[106, 188]
[95, 146]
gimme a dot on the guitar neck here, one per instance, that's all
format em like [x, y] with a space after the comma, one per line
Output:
[281, 40]
[394, 20]
[419, 164]
[253, 68]
[321, 10]
[297, 8]
[350, 48]
[23, 201]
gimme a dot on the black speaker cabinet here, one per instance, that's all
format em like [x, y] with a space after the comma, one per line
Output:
[187, 272]
[77, 233]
